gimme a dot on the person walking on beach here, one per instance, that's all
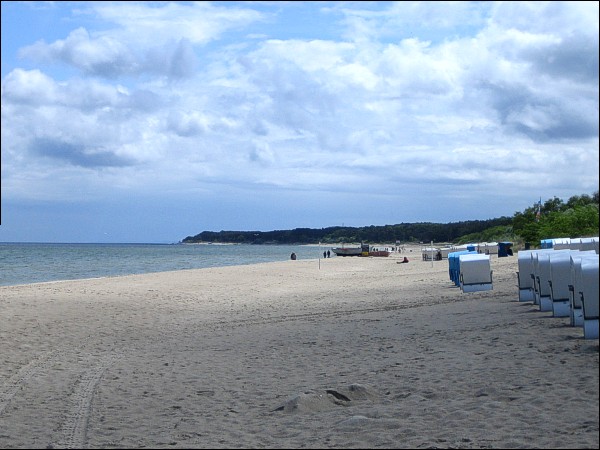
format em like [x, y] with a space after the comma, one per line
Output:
[328, 254]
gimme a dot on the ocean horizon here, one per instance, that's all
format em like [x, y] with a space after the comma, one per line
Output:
[34, 262]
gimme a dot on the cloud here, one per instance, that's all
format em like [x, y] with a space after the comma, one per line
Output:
[32, 87]
[104, 56]
[144, 38]
[187, 124]
[77, 155]
[197, 22]
[107, 57]
[570, 57]
[182, 61]
[542, 115]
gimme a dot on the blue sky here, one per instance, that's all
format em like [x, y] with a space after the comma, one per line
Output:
[153, 121]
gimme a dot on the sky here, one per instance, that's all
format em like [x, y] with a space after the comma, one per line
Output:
[147, 122]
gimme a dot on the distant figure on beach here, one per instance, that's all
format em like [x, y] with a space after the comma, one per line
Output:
[405, 260]
[328, 254]
[293, 256]
[438, 256]
[324, 254]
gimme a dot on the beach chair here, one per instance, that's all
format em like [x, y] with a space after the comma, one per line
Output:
[590, 243]
[541, 265]
[584, 243]
[560, 279]
[562, 244]
[454, 265]
[541, 271]
[524, 276]
[589, 298]
[475, 273]
[575, 311]
[535, 254]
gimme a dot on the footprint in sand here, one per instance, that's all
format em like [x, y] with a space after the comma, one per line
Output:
[320, 400]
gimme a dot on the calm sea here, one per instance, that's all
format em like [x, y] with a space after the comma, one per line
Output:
[24, 263]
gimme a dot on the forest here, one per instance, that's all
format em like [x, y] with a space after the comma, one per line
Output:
[576, 217]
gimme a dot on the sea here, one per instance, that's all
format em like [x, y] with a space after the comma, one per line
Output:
[26, 263]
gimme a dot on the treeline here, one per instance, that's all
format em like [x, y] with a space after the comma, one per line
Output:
[404, 232]
[577, 217]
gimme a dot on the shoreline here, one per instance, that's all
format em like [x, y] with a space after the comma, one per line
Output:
[46, 274]
[33, 263]
[351, 353]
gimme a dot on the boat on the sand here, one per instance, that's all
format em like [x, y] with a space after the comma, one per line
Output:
[362, 250]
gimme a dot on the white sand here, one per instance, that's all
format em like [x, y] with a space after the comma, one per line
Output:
[359, 353]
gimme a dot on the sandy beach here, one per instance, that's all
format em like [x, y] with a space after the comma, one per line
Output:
[337, 353]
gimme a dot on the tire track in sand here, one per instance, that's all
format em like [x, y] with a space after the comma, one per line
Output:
[74, 430]
[15, 383]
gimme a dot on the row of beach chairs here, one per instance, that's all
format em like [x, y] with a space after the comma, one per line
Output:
[488, 248]
[563, 280]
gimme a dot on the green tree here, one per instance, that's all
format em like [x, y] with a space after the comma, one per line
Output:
[578, 217]
[579, 221]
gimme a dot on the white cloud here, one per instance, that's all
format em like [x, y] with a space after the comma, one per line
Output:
[198, 22]
[104, 56]
[31, 87]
